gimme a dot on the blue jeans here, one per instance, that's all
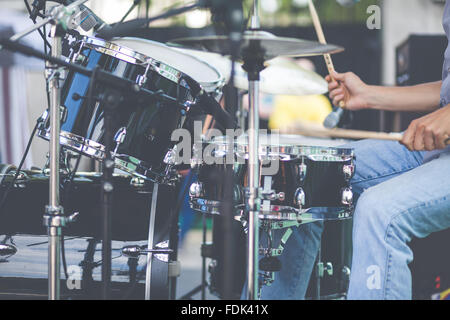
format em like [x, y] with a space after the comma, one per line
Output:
[399, 198]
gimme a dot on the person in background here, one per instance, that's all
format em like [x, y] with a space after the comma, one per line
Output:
[289, 110]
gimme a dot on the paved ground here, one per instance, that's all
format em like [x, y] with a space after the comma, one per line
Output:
[191, 264]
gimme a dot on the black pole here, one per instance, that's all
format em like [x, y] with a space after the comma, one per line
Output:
[112, 99]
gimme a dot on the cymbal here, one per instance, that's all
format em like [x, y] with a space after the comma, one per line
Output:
[282, 76]
[265, 44]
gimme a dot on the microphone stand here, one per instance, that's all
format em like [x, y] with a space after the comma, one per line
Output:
[135, 3]
[54, 218]
[124, 28]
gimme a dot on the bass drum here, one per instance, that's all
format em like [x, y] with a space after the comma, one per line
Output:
[24, 243]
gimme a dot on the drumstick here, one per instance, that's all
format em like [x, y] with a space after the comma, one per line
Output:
[314, 130]
[321, 37]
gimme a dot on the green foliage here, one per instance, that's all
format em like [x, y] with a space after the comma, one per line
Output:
[329, 11]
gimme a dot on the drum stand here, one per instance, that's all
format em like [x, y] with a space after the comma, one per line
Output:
[253, 64]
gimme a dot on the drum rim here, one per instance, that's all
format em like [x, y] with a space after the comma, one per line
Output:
[117, 51]
[276, 212]
[95, 150]
[282, 151]
[100, 43]
[163, 69]
[208, 86]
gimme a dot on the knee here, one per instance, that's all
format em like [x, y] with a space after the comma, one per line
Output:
[370, 211]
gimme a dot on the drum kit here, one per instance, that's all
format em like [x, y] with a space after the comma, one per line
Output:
[119, 103]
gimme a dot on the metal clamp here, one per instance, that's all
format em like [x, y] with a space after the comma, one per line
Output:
[54, 217]
[272, 195]
[321, 269]
[135, 251]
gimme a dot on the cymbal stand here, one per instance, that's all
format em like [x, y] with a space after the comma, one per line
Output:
[253, 64]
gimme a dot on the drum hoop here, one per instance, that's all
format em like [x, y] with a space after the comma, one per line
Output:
[286, 152]
[131, 56]
[276, 212]
[114, 50]
[210, 87]
[96, 151]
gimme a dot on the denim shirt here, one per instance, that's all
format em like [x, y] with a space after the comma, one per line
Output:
[445, 89]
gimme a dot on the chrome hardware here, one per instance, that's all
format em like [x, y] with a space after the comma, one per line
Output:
[63, 113]
[119, 138]
[270, 252]
[78, 58]
[197, 153]
[267, 279]
[72, 217]
[272, 195]
[302, 168]
[54, 217]
[347, 196]
[137, 182]
[329, 268]
[321, 269]
[300, 197]
[196, 189]
[141, 80]
[136, 251]
[164, 245]
[187, 105]
[349, 171]
[346, 271]
[7, 250]
[22, 177]
[170, 157]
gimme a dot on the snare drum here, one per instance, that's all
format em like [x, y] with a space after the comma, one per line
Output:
[143, 129]
[310, 182]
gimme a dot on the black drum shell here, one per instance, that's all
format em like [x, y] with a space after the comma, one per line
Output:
[25, 207]
[323, 182]
[22, 220]
[149, 123]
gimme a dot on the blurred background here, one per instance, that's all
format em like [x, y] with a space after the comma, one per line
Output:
[370, 53]
[378, 56]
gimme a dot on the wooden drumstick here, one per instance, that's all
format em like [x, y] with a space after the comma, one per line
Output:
[321, 37]
[314, 130]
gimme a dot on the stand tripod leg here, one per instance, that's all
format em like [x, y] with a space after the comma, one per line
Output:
[112, 99]
[203, 285]
[151, 232]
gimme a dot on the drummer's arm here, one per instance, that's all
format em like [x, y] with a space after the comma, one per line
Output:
[419, 98]
[357, 95]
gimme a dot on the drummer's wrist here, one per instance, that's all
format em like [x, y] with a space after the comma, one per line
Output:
[372, 97]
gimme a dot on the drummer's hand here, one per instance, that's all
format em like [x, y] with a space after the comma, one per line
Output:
[348, 88]
[429, 132]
